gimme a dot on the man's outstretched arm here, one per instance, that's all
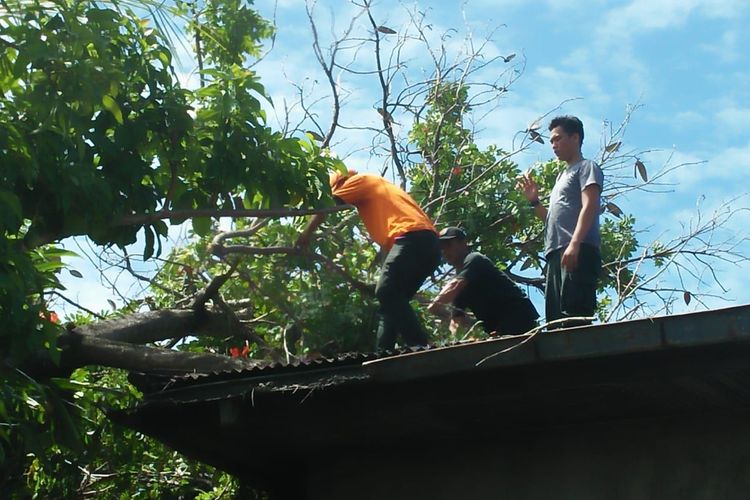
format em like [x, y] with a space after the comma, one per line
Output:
[303, 240]
[446, 296]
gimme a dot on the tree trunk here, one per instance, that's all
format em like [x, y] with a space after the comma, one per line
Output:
[151, 326]
[115, 343]
[81, 350]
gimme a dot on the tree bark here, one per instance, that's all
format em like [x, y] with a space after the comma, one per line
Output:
[152, 326]
[81, 350]
[114, 343]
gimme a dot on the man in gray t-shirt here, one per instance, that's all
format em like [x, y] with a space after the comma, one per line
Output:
[571, 240]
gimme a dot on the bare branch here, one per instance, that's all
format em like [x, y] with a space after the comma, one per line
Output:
[132, 220]
[385, 106]
[77, 305]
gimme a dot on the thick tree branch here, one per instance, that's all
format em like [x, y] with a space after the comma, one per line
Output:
[363, 287]
[245, 233]
[152, 326]
[211, 290]
[222, 251]
[82, 350]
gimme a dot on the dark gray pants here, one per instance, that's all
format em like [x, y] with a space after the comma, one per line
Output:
[572, 294]
[412, 259]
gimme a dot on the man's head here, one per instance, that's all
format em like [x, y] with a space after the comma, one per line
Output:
[336, 178]
[453, 244]
[566, 137]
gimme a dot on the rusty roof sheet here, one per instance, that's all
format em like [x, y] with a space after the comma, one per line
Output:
[691, 363]
[406, 364]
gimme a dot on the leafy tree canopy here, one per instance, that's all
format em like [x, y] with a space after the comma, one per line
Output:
[99, 139]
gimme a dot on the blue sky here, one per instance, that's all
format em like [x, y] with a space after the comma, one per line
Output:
[682, 61]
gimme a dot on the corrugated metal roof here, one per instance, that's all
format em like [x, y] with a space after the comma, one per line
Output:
[575, 343]
[271, 368]
[262, 417]
[265, 376]
[402, 365]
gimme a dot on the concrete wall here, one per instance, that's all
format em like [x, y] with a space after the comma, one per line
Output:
[700, 458]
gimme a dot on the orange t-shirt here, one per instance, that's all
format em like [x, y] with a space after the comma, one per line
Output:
[387, 210]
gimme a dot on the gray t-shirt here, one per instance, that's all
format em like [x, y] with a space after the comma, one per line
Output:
[565, 204]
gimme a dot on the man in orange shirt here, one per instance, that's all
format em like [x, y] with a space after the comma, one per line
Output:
[405, 232]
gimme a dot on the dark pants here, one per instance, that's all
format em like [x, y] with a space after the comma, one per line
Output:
[516, 318]
[412, 259]
[572, 294]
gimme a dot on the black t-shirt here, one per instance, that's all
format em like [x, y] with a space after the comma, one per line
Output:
[493, 297]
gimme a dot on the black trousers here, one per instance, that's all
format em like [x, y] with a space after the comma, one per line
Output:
[413, 258]
[516, 318]
[572, 294]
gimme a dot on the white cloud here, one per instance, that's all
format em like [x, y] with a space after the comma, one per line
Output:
[732, 163]
[726, 49]
[498, 4]
[619, 27]
[287, 4]
[686, 170]
[552, 85]
[734, 120]
[713, 176]
[644, 15]
[686, 118]
[551, 5]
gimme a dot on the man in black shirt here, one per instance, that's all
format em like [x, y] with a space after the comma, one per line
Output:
[489, 293]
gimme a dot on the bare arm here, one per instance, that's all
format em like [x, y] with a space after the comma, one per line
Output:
[446, 296]
[530, 190]
[589, 211]
[304, 239]
[459, 322]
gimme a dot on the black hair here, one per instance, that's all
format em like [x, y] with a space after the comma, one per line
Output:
[570, 124]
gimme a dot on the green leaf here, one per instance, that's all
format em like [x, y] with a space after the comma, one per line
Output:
[10, 208]
[202, 225]
[111, 105]
[148, 250]
[161, 228]
[165, 56]
[58, 252]
[65, 429]
[314, 135]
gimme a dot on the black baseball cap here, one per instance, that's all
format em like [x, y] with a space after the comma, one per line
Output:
[450, 232]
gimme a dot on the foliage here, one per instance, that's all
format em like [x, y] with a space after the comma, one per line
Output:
[462, 185]
[475, 189]
[100, 139]
[290, 302]
[91, 105]
[92, 456]
[97, 136]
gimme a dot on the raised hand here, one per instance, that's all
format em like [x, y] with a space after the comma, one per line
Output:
[528, 187]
